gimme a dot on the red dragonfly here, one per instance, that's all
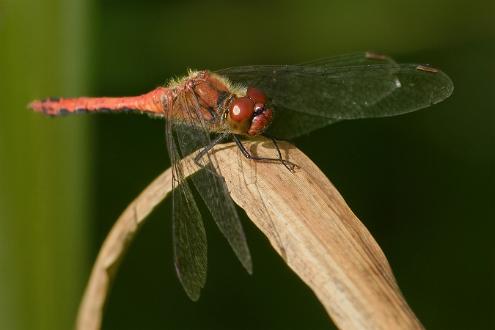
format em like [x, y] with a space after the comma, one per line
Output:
[284, 101]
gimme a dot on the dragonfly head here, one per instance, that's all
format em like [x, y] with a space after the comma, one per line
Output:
[248, 115]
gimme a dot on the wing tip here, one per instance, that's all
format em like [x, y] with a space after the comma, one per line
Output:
[194, 296]
[447, 88]
[248, 265]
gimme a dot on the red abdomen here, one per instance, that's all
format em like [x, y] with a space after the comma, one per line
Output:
[154, 103]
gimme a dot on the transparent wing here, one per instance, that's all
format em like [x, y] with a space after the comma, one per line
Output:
[353, 59]
[345, 87]
[334, 87]
[213, 190]
[189, 236]
[192, 134]
[289, 124]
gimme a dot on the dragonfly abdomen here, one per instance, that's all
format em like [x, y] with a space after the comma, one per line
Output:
[153, 103]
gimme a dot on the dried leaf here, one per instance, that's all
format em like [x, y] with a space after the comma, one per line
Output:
[307, 222]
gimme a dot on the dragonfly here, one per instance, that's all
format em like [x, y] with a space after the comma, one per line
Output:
[205, 108]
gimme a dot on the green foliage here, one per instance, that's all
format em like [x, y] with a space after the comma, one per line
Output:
[43, 165]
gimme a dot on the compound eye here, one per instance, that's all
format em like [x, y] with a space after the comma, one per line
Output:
[256, 95]
[241, 109]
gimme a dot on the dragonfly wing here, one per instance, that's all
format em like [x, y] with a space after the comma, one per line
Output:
[346, 87]
[193, 134]
[353, 59]
[213, 189]
[190, 246]
[288, 124]
[327, 87]
[189, 236]
[419, 87]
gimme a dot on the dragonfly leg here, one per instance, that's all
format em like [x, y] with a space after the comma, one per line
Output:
[289, 165]
[206, 149]
[276, 147]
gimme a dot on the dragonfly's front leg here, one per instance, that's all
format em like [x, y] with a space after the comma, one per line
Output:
[288, 164]
[205, 150]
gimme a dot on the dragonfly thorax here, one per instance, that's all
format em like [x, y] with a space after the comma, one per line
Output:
[227, 107]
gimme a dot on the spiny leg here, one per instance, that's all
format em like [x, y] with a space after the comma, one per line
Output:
[289, 165]
[276, 147]
[206, 149]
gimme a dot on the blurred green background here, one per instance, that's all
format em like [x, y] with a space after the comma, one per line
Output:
[422, 183]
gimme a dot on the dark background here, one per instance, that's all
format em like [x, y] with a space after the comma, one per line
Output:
[422, 183]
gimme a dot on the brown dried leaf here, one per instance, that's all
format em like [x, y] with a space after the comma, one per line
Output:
[309, 225]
